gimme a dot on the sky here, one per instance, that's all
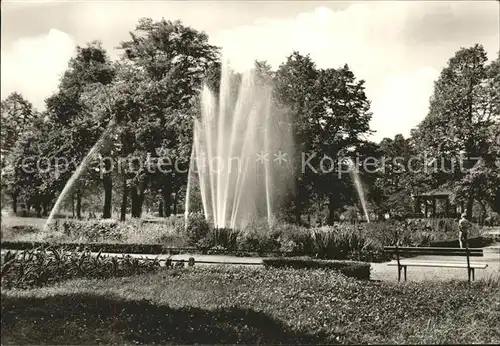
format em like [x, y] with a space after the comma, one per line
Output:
[397, 47]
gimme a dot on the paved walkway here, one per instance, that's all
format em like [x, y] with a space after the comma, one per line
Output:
[494, 231]
[379, 271]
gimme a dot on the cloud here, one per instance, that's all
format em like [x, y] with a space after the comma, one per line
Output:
[34, 65]
[402, 100]
[397, 47]
[377, 40]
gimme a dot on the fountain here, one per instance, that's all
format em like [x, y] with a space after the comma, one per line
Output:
[76, 174]
[242, 151]
[241, 154]
[353, 171]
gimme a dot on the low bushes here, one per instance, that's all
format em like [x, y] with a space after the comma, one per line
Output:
[197, 228]
[477, 242]
[154, 249]
[40, 267]
[341, 241]
[357, 270]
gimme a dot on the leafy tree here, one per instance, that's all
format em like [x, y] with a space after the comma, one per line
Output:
[170, 61]
[329, 112]
[339, 128]
[18, 116]
[89, 69]
[391, 190]
[296, 87]
[463, 110]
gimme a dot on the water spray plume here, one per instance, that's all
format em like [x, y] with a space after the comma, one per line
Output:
[89, 157]
[359, 188]
[236, 139]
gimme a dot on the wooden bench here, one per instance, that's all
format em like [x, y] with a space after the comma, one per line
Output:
[402, 264]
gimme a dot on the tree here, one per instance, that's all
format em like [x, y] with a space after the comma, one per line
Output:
[170, 62]
[338, 130]
[463, 109]
[392, 188]
[329, 112]
[18, 115]
[295, 87]
[89, 69]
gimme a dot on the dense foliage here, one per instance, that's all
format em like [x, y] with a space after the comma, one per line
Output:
[341, 241]
[353, 269]
[142, 105]
[41, 267]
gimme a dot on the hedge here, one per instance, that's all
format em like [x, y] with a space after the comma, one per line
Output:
[150, 249]
[477, 242]
[358, 270]
[154, 249]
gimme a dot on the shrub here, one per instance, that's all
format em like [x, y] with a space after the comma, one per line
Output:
[258, 236]
[197, 228]
[492, 219]
[40, 267]
[341, 241]
[89, 230]
[357, 270]
[221, 239]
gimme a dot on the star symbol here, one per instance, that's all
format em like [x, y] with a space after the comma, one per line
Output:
[280, 157]
[161, 151]
[261, 157]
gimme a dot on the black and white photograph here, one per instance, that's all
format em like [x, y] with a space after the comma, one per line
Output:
[250, 172]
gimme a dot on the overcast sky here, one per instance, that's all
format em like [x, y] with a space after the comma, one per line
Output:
[399, 48]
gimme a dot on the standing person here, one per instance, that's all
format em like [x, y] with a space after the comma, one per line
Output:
[463, 229]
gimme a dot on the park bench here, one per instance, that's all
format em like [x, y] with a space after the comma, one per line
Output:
[403, 263]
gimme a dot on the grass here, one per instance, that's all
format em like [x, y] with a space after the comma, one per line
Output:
[353, 269]
[244, 305]
[91, 231]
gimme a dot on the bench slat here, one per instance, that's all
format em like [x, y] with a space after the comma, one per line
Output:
[440, 264]
[434, 251]
[429, 253]
[442, 249]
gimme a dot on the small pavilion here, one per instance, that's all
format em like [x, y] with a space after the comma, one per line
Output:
[430, 202]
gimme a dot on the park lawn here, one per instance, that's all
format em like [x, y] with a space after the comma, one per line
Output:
[223, 304]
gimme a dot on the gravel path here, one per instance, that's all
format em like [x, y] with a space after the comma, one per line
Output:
[379, 271]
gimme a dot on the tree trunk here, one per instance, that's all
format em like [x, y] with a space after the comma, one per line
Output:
[137, 196]
[134, 196]
[73, 204]
[107, 182]
[332, 207]
[298, 214]
[297, 208]
[38, 209]
[78, 204]
[123, 208]
[167, 199]
[470, 203]
[483, 213]
[45, 209]
[174, 211]
[160, 208]
[14, 203]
